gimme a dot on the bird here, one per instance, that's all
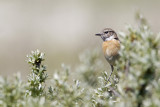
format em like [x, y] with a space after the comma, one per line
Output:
[110, 47]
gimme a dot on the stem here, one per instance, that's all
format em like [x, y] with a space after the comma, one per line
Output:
[112, 68]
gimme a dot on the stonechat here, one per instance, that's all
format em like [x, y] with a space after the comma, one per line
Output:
[110, 46]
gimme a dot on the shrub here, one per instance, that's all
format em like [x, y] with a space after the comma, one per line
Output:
[134, 83]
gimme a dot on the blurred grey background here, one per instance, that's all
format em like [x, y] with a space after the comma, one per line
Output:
[62, 28]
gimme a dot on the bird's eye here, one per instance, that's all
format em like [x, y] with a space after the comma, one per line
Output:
[106, 32]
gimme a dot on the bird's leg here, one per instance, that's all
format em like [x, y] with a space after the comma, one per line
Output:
[112, 68]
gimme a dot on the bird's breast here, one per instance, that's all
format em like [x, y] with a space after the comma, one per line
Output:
[111, 48]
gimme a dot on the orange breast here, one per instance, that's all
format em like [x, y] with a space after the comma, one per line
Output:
[111, 48]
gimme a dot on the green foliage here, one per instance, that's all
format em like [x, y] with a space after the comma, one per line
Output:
[12, 92]
[107, 93]
[135, 81]
[138, 70]
[38, 75]
[64, 94]
[90, 64]
[138, 65]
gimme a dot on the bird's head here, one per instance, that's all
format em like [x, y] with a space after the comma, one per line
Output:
[107, 34]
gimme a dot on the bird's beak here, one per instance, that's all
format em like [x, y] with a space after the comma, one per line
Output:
[98, 34]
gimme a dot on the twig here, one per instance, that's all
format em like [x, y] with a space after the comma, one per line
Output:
[112, 68]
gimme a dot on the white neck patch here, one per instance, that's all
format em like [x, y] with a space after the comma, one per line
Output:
[110, 38]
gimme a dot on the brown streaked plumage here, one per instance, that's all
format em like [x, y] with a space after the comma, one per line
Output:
[110, 46]
[110, 50]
